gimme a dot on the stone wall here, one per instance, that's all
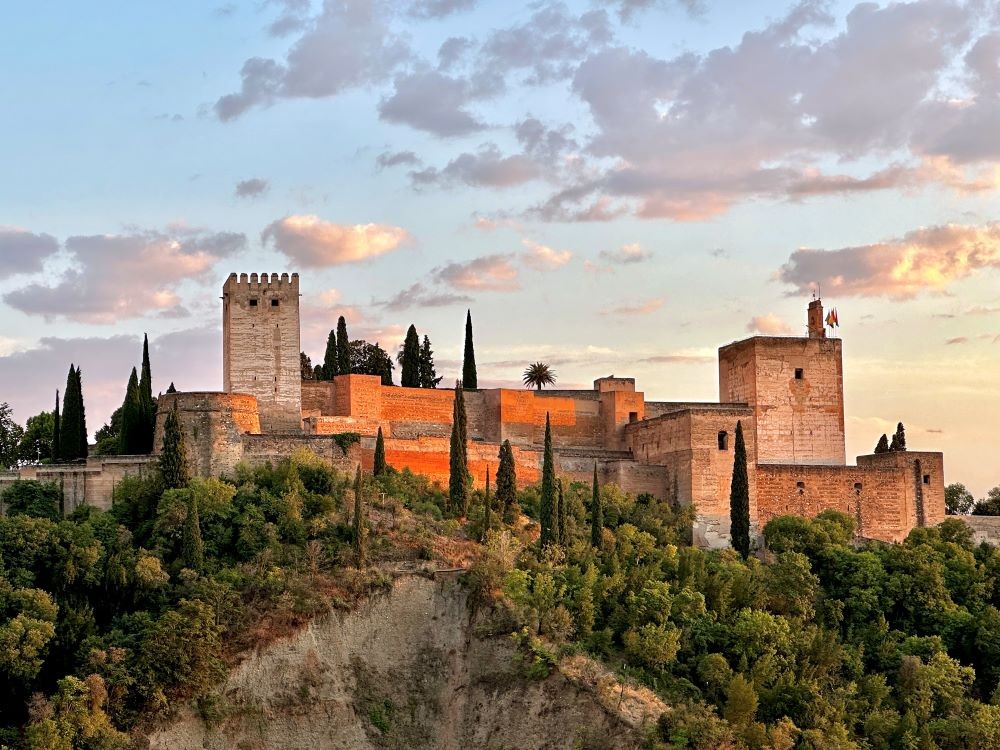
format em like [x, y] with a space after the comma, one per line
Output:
[260, 344]
[923, 482]
[90, 482]
[261, 449]
[984, 528]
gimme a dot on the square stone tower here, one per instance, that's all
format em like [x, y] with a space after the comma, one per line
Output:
[260, 346]
[795, 386]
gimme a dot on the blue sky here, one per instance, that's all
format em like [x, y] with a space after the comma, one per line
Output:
[705, 143]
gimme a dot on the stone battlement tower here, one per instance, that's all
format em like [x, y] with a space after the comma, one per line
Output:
[260, 346]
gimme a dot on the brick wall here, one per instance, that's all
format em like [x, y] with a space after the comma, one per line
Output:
[259, 449]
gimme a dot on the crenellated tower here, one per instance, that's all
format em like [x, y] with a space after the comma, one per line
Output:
[260, 346]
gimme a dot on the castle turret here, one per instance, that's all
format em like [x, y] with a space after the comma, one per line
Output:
[814, 318]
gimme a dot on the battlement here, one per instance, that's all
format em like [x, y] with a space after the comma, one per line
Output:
[248, 283]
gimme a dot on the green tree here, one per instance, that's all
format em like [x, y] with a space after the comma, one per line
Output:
[371, 359]
[547, 505]
[537, 375]
[957, 500]
[173, 457]
[741, 701]
[130, 438]
[898, 439]
[36, 441]
[27, 625]
[306, 371]
[883, 444]
[562, 536]
[81, 425]
[318, 373]
[56, 426]
[10, 437]
[487, 507]
[171, 388]
[75, 718]
[147, 405]
[409, 359]
[989, 505]
[192, 545]
[458, 465]
[330, 365]
[739, 497]
[32, 498]
[469, 378]
[360, 524]
[506, 480]
[596, 515]
[428, 376]
[380, 465]
[108, 442]
[343, 348]
[72, 428]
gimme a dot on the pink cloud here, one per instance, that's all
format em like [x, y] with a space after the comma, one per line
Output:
[313, 242]
[641, 308]
[544, 258]
[769, 324]
[494, 273]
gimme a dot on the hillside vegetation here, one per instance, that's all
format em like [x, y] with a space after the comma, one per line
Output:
[112, 622]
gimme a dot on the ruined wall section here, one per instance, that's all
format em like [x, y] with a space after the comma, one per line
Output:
[260, 344]
[91, 482]
[796, 389]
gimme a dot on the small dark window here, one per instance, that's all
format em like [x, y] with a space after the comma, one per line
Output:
[927, 478]
[800, 486]
[723, 441]
[857, 486]
[253, 303]
[798, 373]
[274, 303]
[633, 416]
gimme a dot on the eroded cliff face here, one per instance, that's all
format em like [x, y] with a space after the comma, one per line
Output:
[405, 670]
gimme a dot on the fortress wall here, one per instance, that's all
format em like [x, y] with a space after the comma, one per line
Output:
[618, 409]
[430, 456]
[576, 422]
[317, 398]
[260, 449]
[984, 528]
[213, 425]
[84, 483]
[922, 481]
[357, 396]
[364, 426]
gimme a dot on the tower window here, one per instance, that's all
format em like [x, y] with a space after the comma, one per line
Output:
[253, 303]
[723, 440]
[800, 486]
[927, 478]
[274, 303]
[633, 416]
[857, 487]
[798, 373]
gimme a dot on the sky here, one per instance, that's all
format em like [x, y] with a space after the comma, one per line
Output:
[611, 186]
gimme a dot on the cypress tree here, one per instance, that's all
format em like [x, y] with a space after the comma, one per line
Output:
[192, 546]
[56, 449]
[360, 528]
[898, 439]
[410, 377]
[469, 378]
[547, 506]
[82, 424]
[883, 444]
[131, 437]
[428, 375]
[379, 454]
[146, 403]
[329, 368]
[318, 373]
[596, 515]
[69, 428]
[343, 348]
[171, 388]
[487, 509]
[458, 468]
[739, 498]
[463, 425]
[506, 480]
[173, 458]
[561, 515]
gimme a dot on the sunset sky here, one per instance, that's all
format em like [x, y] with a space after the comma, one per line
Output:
[611, 187]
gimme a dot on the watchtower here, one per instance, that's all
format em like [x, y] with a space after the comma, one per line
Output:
[260, 346]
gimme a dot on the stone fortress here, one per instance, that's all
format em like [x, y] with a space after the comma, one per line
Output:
[787, 391]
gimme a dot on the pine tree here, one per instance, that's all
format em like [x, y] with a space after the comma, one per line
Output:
[330, 366]
[146, 403]
[469, 378]
[410, 359]
[131, 436]
[69, 428]
[739, 498]
[487, 507]
[192, 546]
[428, 376]
[883, 444]
[596, 515]
[82, 423]
[173, 458]
[458, 467]
[898, 439]
[547, 504]
[343, 348]
[561, 515]
[56, 445]
[506, 480]
[380, 466]
[360, 527]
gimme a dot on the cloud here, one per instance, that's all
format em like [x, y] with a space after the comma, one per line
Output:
[22, 251]
[252, 188]
[957, 340]
[396, 159]
[640, 308]
[679, 359]
[629, 9]
[126, 276]
[313, 242]
[418, 295]
[346, 46]
[626, 254]
[485, 168]
[929, 258]
[544, 258]
[439, 8]
[490, 273]
[769, 324]
[411, 103]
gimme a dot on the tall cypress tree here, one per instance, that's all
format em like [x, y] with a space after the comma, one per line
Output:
[883, 444]
[69, 428]
[469, 378]
[739, 497]
[173, 457]
[458, 467]
[82, 423]
[410, 377]
[898, 439]
[146, 403]
[131, 438]
[428, 376]
[343, 348]
[596, 515]
[506, 480]
[360, 527]
[56, 445]
[547, 505]
[330, 367]
[380, 465]
[192, 546]
[463, 425]
[561, 515]
[487, 507]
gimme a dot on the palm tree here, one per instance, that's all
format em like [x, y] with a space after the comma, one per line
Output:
[538, 374]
